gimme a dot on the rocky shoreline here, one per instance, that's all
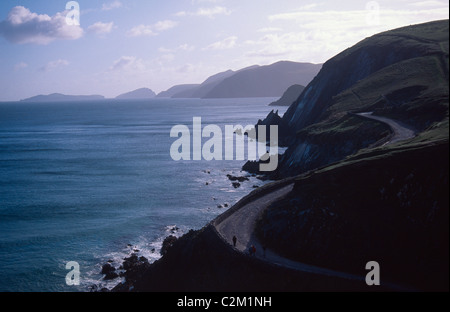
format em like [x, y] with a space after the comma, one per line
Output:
[209, 264]
[134, 265]
[202, 260]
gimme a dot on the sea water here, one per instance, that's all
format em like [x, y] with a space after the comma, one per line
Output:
[94, 181]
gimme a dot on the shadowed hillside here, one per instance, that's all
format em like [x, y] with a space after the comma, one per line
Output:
[401, 74]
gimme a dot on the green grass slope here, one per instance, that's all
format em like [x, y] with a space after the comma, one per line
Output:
[412, 88]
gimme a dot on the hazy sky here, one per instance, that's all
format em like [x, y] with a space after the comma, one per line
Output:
[122, 45]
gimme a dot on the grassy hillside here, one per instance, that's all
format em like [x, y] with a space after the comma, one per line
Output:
[392, 74]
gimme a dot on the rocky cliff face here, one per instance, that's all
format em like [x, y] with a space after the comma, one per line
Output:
[401, 73]
[359, 62]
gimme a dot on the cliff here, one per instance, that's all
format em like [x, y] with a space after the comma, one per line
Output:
[401, 74]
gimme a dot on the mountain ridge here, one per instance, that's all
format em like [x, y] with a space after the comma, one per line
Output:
[142, 93]
[253, 81]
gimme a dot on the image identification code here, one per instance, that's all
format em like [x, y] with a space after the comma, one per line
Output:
[225, 302]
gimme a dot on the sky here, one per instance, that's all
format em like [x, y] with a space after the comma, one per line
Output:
[122, 45]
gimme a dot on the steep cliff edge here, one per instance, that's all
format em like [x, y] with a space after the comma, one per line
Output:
[402, 74]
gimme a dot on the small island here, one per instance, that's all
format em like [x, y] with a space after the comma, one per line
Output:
[58, 97]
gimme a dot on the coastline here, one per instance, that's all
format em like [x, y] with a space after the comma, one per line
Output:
[208, 252]
[205, 261]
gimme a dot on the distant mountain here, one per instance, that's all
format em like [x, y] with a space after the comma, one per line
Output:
[200, 91]
[176, 89]
[58, 97]
[143, 93]
[291, 94]
[265, 81]
[254, 81]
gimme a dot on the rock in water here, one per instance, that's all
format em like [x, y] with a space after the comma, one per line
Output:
[239, 179]
[107, 268]
[109, 271]
[130, 262]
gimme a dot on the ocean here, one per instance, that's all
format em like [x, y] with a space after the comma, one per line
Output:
[94, 181]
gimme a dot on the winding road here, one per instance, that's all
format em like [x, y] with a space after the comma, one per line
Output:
[242, 222]
[400, 130]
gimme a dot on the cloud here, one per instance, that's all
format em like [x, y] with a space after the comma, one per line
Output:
[165, 25]
[22, 26]
[183, 47]
[211, 12]
[224, 44]
[206, 12]
[100, 28]
[269, 29]
[112, 5]
[142, 30]
[20, 66]
[186, 47]
[152, 30]
[316, 36]
[181, 14]
[429, 3]
[54, 65]
[187, 68]
[358, 17]
[309, 6]
[128, 63]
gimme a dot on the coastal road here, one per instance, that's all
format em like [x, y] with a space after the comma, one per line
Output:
[400, 131]
[242, 224]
